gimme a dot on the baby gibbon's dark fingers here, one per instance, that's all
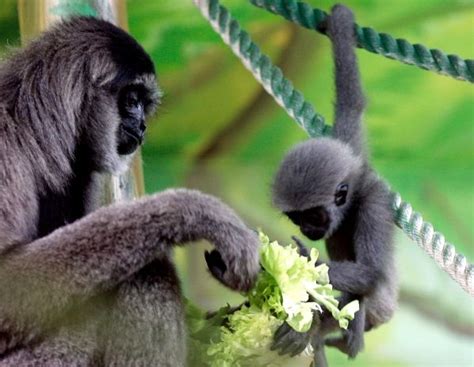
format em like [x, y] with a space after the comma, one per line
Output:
[280, 344]
[289, 341]
[336, 342]
[344, 345]
[354, 343]
[288, 348]
[299, 347]
[281, 331]
[302, 249]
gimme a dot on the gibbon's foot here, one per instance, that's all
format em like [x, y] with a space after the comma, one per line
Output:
[348, 344]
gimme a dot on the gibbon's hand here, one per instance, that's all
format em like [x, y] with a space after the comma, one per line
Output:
[302, 248]
[286, 340]
[235, 264]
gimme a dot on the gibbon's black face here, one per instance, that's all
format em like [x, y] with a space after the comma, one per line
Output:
[315, 222]
[132, 104]
[125, 90]
[315, 184]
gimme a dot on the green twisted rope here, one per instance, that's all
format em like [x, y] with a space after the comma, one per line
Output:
[282, 90]
[270, 76]
[375, 42]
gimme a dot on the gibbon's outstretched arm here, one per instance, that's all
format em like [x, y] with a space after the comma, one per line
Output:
[41, 279]
[350, 101]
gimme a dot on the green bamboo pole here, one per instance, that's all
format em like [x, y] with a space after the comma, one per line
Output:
[36, 16]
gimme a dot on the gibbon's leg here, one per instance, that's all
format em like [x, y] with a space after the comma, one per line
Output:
[70, 347]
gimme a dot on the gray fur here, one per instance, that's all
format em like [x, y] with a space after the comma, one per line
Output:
[359, 236]
[98, 288]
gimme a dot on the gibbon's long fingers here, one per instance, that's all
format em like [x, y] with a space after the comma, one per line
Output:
[319, 359]
[339, 342]
[355, 332]
[215, 264]
[282, 330]
[284, 342]
[302, 248]
[299, 346]
[288, 347]
[289, 341]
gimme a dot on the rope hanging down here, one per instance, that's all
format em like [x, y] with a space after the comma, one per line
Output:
[282, 90]
[378, 43]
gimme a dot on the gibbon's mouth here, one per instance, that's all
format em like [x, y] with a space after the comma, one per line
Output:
[129, 140]
[133, 133]
[314, 233]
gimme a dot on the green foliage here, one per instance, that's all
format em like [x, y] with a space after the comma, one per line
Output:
[9, 27]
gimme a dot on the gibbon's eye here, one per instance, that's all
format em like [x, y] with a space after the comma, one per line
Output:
[132, 102]
[341, 194]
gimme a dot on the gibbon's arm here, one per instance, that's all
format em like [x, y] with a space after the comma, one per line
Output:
[350, 101]
[97, 252]
[372, 245]
[373, 237]
[352, 277]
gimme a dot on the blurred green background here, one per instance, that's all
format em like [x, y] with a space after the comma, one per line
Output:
[218, 131]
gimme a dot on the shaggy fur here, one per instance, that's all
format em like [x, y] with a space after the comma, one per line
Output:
[358, 233]
[93, 289]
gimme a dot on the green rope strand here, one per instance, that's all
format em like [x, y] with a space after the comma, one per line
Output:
[270, 76]
[304, 114]
[375, 42]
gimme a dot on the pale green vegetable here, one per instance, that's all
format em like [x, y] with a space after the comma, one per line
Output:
[289, 288]
[297, 278]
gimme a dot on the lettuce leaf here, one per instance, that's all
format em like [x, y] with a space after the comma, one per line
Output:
[289, 288]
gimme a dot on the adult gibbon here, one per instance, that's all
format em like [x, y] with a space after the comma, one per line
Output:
[99, 288]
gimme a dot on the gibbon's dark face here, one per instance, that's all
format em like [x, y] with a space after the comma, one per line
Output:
[315, 222]
[126, 89]
[315, 184]
[132, 104]
[97, 86]
[135, 89]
